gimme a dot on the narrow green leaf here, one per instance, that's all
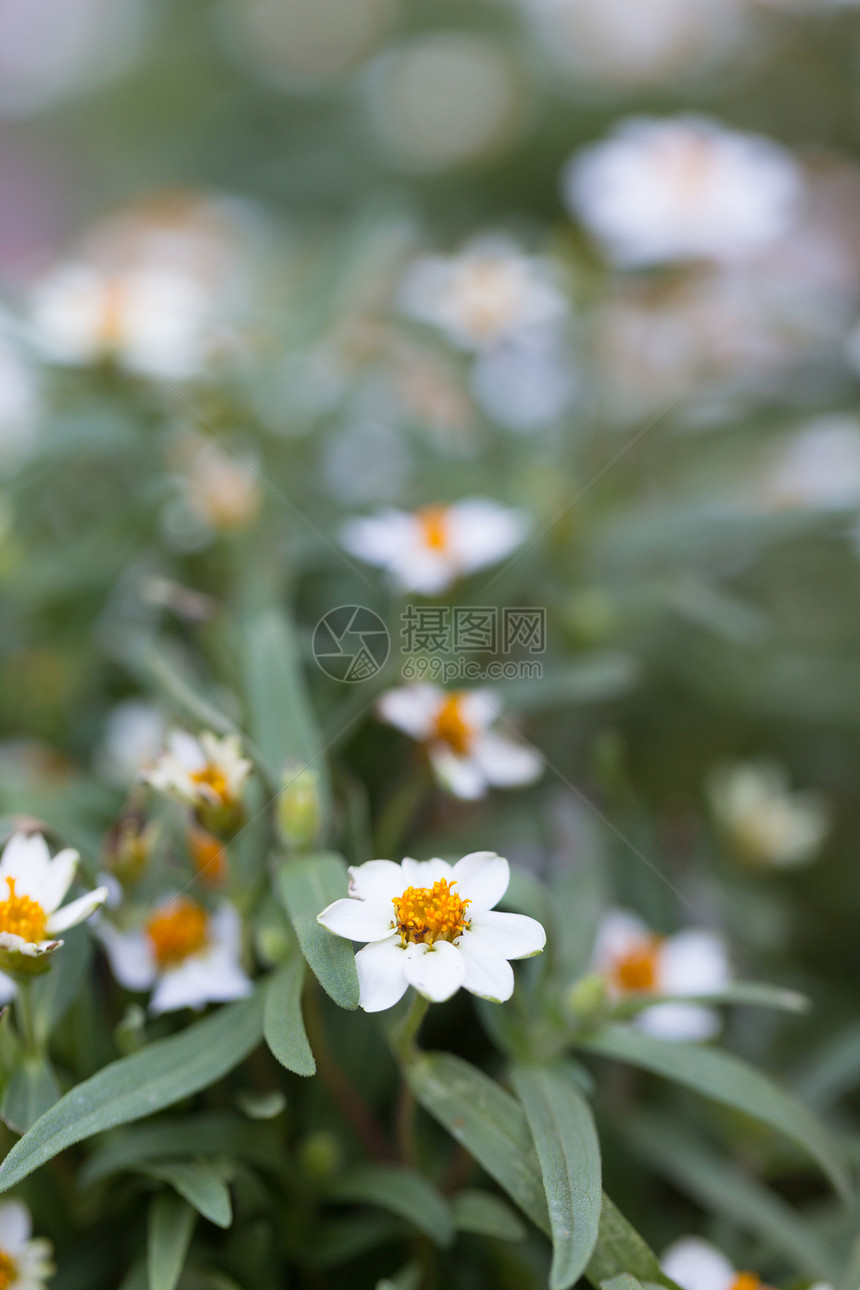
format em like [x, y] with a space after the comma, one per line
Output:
[752, 993]
[202, 1185]
[409, 1277]
[727, 1080]
[217, 1133]
[620, 1249]
[31, 1090]
[832, 1070]
[171, 1223]
[184, 697]
[159, 1075]
[568, 1150]
[283, 1026]
[401, 1191]
[486, 1215]
[307, 885]
[624, 1281]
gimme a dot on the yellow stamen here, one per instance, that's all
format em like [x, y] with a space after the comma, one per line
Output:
[8, 1270]
[746, 1281]
[23, 917]
[638, 970]
[430, 914]
[451, 727]
[213, 777]
[434, 527]
[178, 932]
[113, 308]
[208, 855]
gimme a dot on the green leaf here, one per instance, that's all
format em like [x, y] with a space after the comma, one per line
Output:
[624, 1281]
[401, 1191]
[202, 1185]
[752, 993]
[486, 1215]
[182, 695]
[720, 1186]
[831, 1071]
[31, 1090]
[307, 885]
[171, 1223]
[590, 680]
[216, 1133]
[159, 1075]
[568, 1150]
[727, 1080]
[409, 1277]
[55, 991]
[620, 1249]
[283, 1026]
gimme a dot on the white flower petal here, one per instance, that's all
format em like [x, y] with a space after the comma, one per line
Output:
[358, 920]
[375, 539]
[33, 949]
[76, 912]
[694, 961]
[131, 958]
[460, 775]
[57, 880]
[696, 1265]
[479, 708]
[679, 1022]
[436, 971]
[26, 858]
[7, 989]
[482, 877]
[423, 873]
[376, 880]
[506, 763]
[515, 936]
[225, 929]
[15, 1225]
[488, 974]
[620, 934]
[411, 708]
[186, 750]
[482, 532]
[381, 977]
[185, 986]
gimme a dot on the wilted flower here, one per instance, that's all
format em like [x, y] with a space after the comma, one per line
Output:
[683, 189]
[429, 549]
[635, 962]
[487, 293]
[25, 1262]
[466, 753]
[432, 926]
[696, 1265]
[208, 773]
[30, 915]
[766, 822]
[222, 489]
[186, 955]
[129, 844]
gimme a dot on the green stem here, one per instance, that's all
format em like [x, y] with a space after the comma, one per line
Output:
[25, 1017]
[404, 1040]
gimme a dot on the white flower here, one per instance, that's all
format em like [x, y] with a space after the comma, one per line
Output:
[683, 189]
[150, 319]
[188, 956]
[633, 961]
[694, 1264]
[34, 886]
[467, 755]
[765, 821]
[429, 549]
[432, 926]
[488, 293]
[133, 737]
[208, 773]
[25, 1262]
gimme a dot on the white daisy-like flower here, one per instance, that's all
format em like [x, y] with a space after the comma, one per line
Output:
[634, 961]
[490, 292]
[695, 1264]
[150, 319]
[433, 926]
[186, 955]
[208, 773]
[466, 753]
[25, 1261]
[34, 885]
[685, 188]
[765, 821]
[429, 549]
[133, 737]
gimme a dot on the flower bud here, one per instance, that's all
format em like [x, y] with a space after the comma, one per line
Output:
[587, 998]
[300, 809]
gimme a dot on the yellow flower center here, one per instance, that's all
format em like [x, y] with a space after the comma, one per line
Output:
[8, 1269]
[213, 777]
[430, 914]
[746, 1281]
[178, 932]
[110, 324]
[451, 727]
[208, 855]
[434, 527]
[23, 917]
[638, 969]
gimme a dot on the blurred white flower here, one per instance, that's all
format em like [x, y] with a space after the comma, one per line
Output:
[422, 932]
[696, 1265]
[186, 955]
[765, 821]
[527, 382]
[132, 739]
[25, 1261]
[684, 188]
[429, 549]
[466, 753]
[818, 468]
[35, 885]
[222, 489]
[208, 773]
[635, 962]
[489, 292]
